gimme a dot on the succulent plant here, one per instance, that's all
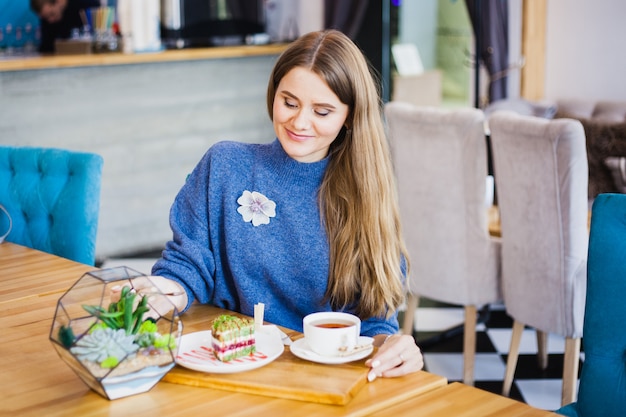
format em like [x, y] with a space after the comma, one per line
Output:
[122, 314]
[103, 344]
[66, 336]
[120, 330]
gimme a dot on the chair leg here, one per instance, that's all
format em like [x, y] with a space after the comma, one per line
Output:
[407, 326]
[570, 370]
[542, 350]
[469, 345]
[511, 362]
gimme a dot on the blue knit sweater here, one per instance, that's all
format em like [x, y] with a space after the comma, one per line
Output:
[223, 260]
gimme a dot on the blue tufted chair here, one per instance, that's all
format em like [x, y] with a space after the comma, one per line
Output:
[53, 197]
[602, 387]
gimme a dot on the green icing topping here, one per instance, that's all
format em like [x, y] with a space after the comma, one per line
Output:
[226, 323]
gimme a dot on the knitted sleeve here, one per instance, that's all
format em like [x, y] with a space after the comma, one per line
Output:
[188, 258]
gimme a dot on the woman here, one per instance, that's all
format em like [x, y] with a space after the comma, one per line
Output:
[307, 223]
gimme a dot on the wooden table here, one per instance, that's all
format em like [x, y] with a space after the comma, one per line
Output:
[35, 381]
[461, 400]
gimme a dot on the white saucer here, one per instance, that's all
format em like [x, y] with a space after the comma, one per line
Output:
[302, 350]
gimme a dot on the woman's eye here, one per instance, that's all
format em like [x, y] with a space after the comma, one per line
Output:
[322, 112]
[290, 104]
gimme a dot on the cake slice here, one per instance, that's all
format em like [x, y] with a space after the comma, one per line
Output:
[232, 337]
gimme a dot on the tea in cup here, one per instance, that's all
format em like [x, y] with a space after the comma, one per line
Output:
[331, 333]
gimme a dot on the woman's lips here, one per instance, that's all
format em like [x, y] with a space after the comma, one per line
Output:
[297, 137]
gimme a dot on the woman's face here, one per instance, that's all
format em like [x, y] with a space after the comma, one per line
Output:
[307, 115]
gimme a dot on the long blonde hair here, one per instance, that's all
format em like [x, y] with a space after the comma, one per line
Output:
[357, 197]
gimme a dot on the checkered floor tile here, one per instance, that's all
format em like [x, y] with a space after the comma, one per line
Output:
[438, 331]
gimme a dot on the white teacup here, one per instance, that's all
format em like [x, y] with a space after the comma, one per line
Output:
[331, 333]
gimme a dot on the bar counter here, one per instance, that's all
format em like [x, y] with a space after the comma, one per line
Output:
[150, 116]
[64, 61]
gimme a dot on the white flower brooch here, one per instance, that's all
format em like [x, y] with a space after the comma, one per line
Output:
[256, 207]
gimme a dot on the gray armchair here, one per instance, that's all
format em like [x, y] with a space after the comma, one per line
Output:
[540, 168]
[440, 159]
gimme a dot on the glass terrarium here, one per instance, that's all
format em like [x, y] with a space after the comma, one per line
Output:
[117, 331]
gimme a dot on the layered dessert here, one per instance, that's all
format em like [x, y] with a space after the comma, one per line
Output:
[232, 337]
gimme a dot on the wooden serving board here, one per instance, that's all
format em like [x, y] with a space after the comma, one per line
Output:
[286, 377]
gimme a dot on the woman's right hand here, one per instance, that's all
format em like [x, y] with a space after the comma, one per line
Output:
[152, 285]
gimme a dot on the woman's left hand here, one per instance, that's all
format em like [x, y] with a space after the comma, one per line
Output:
[398, 355]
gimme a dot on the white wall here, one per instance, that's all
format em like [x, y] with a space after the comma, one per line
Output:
[585, 46]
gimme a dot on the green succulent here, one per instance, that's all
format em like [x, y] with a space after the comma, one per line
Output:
[119, 332]
[102, 344]
[165, 341]
[148, 326]
[66, 336]
[145, 339]
[120, 314]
